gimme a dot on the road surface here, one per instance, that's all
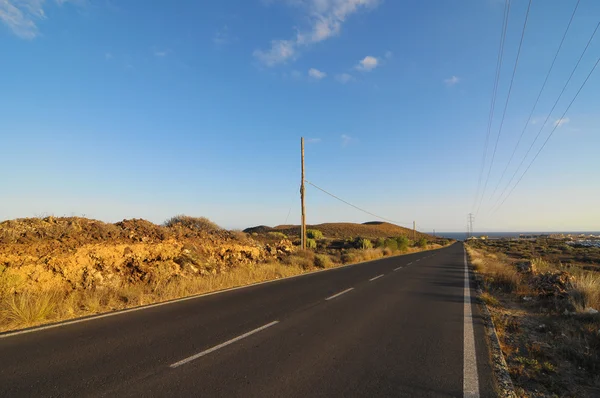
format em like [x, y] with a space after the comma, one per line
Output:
[399, 326]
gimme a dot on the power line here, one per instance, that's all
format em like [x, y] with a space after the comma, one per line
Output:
[506, 104]
[550, 113]
[552, 132]
[537, 99]
[494, 95]
[356, 207]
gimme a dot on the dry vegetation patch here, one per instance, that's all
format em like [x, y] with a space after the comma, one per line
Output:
[53, 269]
[548, 335]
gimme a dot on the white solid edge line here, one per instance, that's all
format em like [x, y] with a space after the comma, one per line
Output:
[377, 277]
[215, 348]
[339, 294]
[470, 378]
[396, 269]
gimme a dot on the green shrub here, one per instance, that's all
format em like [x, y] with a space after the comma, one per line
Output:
[422, 243]
[323, 261]
[195, 223]
[403, 243]
[311, 243]
[380, 242]
[391, 244]
[314, 234]
[365, 244]
[277, 235]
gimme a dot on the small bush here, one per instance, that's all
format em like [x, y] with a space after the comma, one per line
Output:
[239, 235]
[304, 259]
[311, 243]
[422, 243]
[323, 261]
[277, 235]
[387, 251]
[380, 242]
[403, 243]
[348, 258]
[195, 223]
[314, 234]
[391, 244]
[365, 244]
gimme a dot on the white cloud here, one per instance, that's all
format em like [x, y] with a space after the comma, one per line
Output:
[108, 56]
[161, 53]
[344, 78]
[346, 139]
[389, 54]
[21, 15]
[452, 81]
[313, 140]
[367, 64]
[562, 121]
[280, 52]
[316, 74]
[326, 19]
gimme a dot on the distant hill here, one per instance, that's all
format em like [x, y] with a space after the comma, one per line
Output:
[371, 230]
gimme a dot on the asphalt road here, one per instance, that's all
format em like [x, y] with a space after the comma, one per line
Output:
[402, 330]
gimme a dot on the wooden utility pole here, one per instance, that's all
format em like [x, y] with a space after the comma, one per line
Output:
[414, 230]
[303, 227]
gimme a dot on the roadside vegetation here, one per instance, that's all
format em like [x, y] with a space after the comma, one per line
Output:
[545, 312]
[53, 269]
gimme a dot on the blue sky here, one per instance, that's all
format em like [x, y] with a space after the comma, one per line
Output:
[139, 109]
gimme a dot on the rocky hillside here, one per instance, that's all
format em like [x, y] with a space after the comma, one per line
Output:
[63, 254]
[370, 230]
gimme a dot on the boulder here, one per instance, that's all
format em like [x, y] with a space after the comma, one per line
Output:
[551, 284]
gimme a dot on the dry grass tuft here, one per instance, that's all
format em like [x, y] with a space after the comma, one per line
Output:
[323, 261]
[586, 291]
[28, 309]
[498, 275]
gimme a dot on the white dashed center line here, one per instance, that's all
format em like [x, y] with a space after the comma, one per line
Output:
[377, 277]
[215, 348]
[339, 294]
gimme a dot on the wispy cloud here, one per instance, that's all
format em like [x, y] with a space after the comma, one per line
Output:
[344, 78]
[452, 81]
[560, 122]
[326, 19]
[161, 53]
[280, 52]
[367, 64]
[108, 56]
[313, 140]
[316, 74]
[389, 54]
[21, 15]
[223, 36]
[346, 139]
